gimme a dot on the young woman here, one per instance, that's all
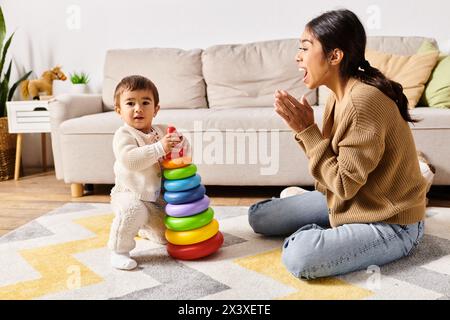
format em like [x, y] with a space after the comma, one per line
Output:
[369, 205]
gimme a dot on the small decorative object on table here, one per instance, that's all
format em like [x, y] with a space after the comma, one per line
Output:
[32, 88]
[192, 231]
[79, 82]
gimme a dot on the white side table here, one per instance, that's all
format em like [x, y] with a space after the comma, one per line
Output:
[28, 117]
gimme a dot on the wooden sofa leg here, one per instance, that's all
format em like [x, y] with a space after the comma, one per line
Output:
[77, 190]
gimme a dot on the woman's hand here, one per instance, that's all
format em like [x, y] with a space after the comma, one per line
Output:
[298, 114]
[170, 140]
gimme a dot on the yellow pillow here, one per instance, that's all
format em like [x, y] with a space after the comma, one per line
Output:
[412, 72]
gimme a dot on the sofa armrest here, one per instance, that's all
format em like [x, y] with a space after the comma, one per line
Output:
[69, 106]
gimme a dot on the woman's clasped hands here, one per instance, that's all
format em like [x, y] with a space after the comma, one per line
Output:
[298, 115]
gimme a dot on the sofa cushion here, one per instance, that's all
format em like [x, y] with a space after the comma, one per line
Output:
[437, 90]
[222, 119]
[430, 118]
[412, 71]
[389, 44]
[247, 75]
[176, 73]
[396, 45]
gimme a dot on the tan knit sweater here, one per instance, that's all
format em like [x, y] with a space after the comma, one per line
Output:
[368, 169]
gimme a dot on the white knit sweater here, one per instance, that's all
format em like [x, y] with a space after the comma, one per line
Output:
[137, 167]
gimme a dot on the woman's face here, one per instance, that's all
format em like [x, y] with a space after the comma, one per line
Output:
[312, 61]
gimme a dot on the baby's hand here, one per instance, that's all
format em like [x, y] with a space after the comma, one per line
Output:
[174, 130]
[169, 141]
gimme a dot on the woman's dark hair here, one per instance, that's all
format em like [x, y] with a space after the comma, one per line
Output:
[342, 29]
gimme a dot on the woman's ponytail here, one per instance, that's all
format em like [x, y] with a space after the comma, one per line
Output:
[394, 90]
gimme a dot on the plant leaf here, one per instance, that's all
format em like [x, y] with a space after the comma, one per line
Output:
[15, 85]
[3, 91]
[8, 73]
[79, 78]
[5, 50]
[2, 29]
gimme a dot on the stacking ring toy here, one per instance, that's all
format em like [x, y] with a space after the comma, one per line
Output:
[180, 173]
[176, 163]
[193, 236]
[188, 209]
[188, 223]
[196, 250]
[187, 196]
[182, 184]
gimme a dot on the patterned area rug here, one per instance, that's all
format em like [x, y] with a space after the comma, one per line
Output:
[63, 255]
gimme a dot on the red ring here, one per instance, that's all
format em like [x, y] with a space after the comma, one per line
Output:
[196, 250]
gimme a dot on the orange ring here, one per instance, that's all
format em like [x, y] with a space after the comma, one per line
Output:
[177, 163]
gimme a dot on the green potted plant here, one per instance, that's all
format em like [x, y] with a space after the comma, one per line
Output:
[7, 140]
[79, 82]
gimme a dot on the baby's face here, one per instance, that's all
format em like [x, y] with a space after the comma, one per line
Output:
[137, 109]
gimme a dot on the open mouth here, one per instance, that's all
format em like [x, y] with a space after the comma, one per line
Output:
[305, 73]
[138, 118]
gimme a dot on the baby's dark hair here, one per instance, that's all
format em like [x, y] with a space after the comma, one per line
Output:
[132, 83]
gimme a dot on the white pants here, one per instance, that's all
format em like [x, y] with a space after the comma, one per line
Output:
[133, 216]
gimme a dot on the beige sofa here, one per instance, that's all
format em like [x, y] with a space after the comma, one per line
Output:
[221, 98]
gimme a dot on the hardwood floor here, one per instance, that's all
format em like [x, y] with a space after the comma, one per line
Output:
[37, 193]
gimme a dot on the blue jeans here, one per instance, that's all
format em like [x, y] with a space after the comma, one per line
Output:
[314, 249]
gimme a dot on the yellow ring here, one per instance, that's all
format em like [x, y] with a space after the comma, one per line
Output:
[177, 163]
[193, 236]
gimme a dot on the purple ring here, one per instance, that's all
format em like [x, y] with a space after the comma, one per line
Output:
[187, 209]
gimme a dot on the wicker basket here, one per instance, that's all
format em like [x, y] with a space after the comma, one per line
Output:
[7, 151]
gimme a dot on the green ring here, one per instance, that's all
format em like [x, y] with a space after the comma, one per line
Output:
[191, 222]
[180, 173]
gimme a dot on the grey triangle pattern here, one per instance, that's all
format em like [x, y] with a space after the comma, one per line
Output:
[72, 207]
[230, 240]
[31, 230]
[178, 281]
[409, 269]
[223, 212]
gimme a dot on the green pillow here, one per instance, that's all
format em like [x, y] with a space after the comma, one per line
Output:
[437, 90]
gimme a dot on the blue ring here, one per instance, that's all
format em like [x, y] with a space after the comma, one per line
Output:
[182, 184]
[185, 196]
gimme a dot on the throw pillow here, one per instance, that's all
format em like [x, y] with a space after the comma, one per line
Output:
[437, 90]
[412, 72]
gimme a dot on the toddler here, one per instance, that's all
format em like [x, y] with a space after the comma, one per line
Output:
[138, 147]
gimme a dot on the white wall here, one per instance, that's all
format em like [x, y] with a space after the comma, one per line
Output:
[77, 33]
